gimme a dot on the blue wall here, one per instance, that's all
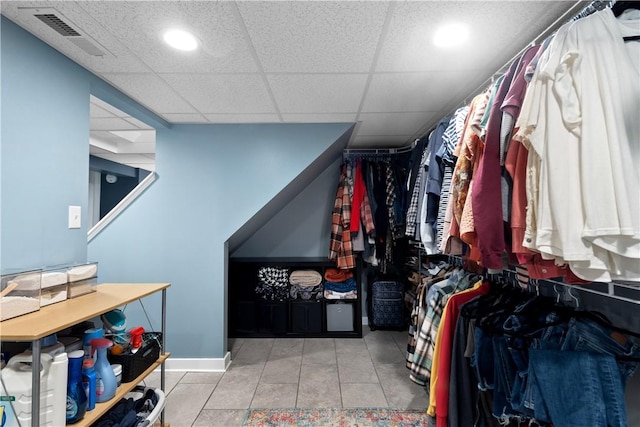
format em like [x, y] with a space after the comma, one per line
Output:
[45, 153]
[44, 150]
[212, 179]
[306, 219]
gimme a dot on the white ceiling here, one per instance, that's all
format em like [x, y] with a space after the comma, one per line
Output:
[370, 62]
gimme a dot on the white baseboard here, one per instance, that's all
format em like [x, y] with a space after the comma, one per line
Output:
[365, 320]
[198, 364]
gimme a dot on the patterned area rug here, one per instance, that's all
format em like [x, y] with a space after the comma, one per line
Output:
[330, 417]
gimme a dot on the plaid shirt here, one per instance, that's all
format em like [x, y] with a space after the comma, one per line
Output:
[341, 246]
[367, 216]
[412, 212]
[437, 298]
[419, 311]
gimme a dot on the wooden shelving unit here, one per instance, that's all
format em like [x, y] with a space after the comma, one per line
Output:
[56, 317]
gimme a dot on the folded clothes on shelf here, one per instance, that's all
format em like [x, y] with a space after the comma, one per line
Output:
[305, 278]
[337, 275]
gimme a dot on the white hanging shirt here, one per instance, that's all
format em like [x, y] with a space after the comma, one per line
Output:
[588, 141]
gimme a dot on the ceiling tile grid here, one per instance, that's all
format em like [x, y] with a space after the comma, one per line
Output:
[223, 93]
[242, 118]
[318, 93]
[309, 36]
[140, 25]
[158, 96]
[370, 62]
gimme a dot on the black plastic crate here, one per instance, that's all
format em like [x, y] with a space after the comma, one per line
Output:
[135, 364]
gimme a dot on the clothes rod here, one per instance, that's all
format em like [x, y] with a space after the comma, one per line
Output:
[354, 152]
[629, 293]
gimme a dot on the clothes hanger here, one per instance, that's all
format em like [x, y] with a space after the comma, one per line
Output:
[620, 6]
[618, 9]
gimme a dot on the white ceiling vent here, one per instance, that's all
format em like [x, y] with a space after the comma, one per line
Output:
[62, 26]
[57, 24]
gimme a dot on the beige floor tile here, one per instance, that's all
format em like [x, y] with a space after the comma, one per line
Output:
[201, 378]
[350, 346]
[236, 395]
[171, 380]
[385, 353]
[311, 374]
[185, 402]
[319, 394]
[275, 396]
[254, 351]
[356, 369]
[400, 391]
[284, 348]
[282, 371]
[242, 372]
[319, 351]
[220, 418]
[363, 396]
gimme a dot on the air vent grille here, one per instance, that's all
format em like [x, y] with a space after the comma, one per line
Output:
[57, 24]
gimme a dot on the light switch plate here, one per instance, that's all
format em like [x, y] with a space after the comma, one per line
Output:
[74, 216]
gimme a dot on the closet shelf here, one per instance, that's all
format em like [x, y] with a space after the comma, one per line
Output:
[102, 408]
[57, 317]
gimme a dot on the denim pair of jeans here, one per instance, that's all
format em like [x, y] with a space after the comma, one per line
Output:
[574, 377]
[576, 389]
[483, 359]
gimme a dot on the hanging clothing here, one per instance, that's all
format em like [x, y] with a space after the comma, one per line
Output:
[341, 248]
[587, 209]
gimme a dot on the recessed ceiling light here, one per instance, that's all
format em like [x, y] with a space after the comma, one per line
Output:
[181, 40]
[451, 35]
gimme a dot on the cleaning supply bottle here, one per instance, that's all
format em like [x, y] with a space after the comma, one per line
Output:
[89, 380]
[105, 378]
[76, 396]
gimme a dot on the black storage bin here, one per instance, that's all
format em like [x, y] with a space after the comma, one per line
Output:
[135, 364]
[244, 319]
[273, 317]
[306, 317]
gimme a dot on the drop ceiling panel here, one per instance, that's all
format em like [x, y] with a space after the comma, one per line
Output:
[242, 118]
[385, 124]
[498, 30]
[184, 118]
[398, 92]
[110, 123]
[318, 93]
[223, 93]
[117, 57]
[137, 123]
[151, 91]
[98, 112]
[140, 26]
[95, 101]
[312, 36]
[319, 118]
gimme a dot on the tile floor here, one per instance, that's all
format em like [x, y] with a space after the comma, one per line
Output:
[284, 372]
[289, 373]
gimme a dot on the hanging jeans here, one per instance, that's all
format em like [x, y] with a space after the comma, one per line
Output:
[576, 389]
[573, 373]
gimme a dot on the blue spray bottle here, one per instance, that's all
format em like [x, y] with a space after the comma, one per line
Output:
[76, 397]
[106, 379]
[89, 380]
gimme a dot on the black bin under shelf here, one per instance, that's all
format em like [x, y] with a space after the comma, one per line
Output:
[273, 317]
[306, 317]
